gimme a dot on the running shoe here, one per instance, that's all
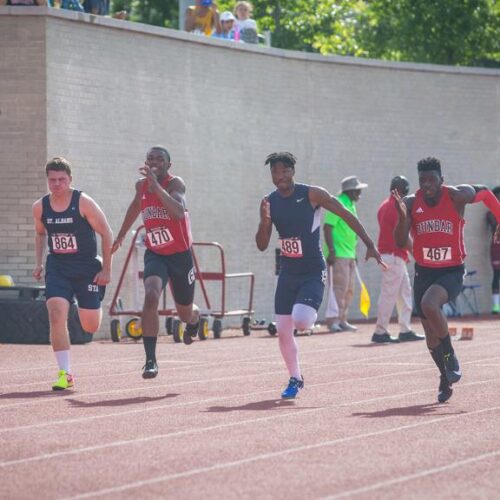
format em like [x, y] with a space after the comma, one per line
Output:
[347, 327]
[150, 369]
[64, 381]
[453, 372]
[445, 390]
[190, 332]
[291, 391]
[384, 338]
[410, 336]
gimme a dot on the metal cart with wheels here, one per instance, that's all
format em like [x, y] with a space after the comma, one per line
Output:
[173, 325]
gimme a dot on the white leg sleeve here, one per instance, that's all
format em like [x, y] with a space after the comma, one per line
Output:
[304, 316]
[288, 345]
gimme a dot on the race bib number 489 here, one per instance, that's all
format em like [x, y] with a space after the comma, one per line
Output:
[64, 243]
[437, 254]
[159, 237]
[291, 247]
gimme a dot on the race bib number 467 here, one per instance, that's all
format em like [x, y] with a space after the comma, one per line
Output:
[437, 254]
[291, 247]
[159, 237]
[64, 243]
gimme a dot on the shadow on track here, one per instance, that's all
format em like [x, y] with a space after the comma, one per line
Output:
[270, 404]
[33, 394]
[119, 402]
[408, 411]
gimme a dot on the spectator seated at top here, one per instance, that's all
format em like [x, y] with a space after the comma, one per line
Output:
[226, 23]
[245, 28]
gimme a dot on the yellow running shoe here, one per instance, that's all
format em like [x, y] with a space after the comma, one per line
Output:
[64, 381]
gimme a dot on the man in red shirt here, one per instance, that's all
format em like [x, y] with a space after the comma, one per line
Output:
[434, 214]
[395, 288]
[160, 198]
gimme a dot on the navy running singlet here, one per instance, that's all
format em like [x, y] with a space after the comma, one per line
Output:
[72, 241]
[298, 225]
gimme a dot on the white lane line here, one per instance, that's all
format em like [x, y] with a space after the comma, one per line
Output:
[140, 358]
[417, 475]
[270, 455]
[156, 437]
[202, 401]
[55, 398]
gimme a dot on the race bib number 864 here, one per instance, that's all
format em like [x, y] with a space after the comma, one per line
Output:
[64, 243]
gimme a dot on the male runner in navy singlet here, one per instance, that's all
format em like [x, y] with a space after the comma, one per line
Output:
[69, 220]
[160, 197]
[435, 217]
[294, 209]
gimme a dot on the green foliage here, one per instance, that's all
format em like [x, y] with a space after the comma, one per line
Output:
[456, 32]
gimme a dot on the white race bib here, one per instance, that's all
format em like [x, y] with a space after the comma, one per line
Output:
[437, 254]
[64, 243]
[291, 247]
[159, 237]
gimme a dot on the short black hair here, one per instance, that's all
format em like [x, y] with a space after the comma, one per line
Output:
[400, 181]
[496, 190]
[163, 150]
[58, 164]
[282, 156]
[428, 164]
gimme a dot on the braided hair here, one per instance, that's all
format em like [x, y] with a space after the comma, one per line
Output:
[283, 156]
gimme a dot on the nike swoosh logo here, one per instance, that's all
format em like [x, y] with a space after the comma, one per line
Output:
[299, 200]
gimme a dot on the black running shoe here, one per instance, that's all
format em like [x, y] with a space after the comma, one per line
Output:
[445, 390]
[410, 336]
[384, 338]
[150, 369]
[190, 332]
[453, 372]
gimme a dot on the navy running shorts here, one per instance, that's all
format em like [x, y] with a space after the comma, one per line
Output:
[178, 268]
[294, 289]
[450, 278]
[88, 295]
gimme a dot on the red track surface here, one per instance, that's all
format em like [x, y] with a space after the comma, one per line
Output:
[211, 425]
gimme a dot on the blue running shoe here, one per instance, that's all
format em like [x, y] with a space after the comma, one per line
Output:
[453, 372]
[291, 391]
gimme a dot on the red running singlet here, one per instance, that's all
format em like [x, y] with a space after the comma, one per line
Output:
[164, 235]
[438, 232]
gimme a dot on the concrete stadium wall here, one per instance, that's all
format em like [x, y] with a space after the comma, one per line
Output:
[102, 91]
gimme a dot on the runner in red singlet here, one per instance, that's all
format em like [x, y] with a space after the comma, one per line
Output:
[434, 215]
[160, 198]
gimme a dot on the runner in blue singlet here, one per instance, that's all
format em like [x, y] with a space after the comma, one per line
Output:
[68, 220]
[294, 209]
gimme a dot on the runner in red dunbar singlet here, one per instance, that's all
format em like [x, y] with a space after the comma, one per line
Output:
[160, 198]
[434, 215]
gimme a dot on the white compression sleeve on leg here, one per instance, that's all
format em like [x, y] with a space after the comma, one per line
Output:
[304, 316]
[288, 345]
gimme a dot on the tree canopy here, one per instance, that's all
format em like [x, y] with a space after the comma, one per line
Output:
[455, 32]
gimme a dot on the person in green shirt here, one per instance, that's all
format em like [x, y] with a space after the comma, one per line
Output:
[340, 252]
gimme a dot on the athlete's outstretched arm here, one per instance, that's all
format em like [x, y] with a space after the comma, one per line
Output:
[491, 202]
[173, 199]
[132, 213]
[402, 229]
[320, 196]
[98, 222]
[40, 240]
[265, 226]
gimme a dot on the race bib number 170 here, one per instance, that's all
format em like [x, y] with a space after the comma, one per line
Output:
[437, 254]
[291, 247]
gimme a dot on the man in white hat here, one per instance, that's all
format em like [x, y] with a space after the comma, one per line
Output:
[340, 253]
